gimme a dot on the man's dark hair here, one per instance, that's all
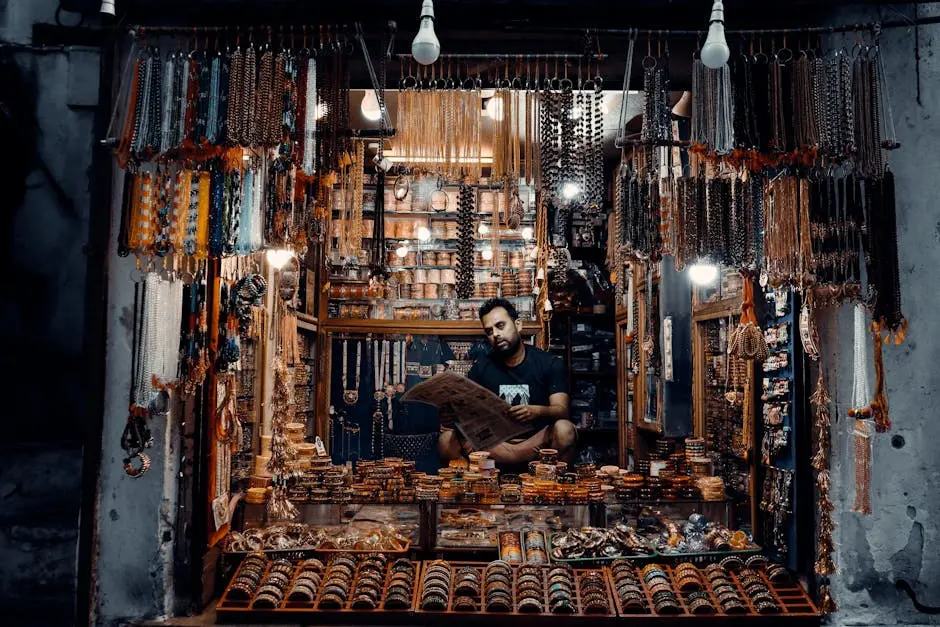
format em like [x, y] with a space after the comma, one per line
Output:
[494, 303]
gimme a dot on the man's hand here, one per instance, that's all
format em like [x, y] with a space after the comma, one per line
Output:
[522, 413]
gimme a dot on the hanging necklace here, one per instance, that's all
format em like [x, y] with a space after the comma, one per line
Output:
[378, 418]
[861, 412]
[351, 397]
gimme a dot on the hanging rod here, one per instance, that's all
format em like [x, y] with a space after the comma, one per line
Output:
[755, 32]
[509, 56]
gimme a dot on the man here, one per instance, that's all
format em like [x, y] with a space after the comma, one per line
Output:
[530, 380]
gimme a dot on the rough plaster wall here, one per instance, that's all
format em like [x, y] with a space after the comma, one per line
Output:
[901, 539]
[41, 330]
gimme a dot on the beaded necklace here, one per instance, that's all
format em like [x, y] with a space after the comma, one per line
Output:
[168, 101]
[235, 92]
[222, 94]
[243, 246]
[233, 206]
[180, 217]
[311, 106]
[247, 114]
[161, 242]
[216, 211]
[203, 96]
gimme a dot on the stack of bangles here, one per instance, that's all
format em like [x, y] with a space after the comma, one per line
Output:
[337, 582]
[435, 588]
[370, 581]
[468, 586]
[510, 547]
[724, 590]
[248, 578]
[758, 592]
[593, 592]
[665, 599]
[561, 587]
[629, 590]
[307, 582]
[535, 551]
[274, 585]
[401, 578]
[530, 589]
[497, 587]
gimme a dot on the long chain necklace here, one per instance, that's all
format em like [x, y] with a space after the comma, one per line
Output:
[861, 412]
[351, 396]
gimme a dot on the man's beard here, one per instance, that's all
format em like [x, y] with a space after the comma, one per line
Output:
[503, 352]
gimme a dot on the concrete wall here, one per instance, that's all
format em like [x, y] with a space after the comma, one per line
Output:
[41, 334]
[901, 539]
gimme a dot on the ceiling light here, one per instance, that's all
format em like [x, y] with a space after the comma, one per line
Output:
[426, 48]
[570, 190]
[715, 52]
[107, 7]
[278, 257]
[703, 273]
[370, 106]
[321, 110]
[527, 232]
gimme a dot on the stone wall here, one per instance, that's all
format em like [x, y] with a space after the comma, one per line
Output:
[901, 539]
[42, 330]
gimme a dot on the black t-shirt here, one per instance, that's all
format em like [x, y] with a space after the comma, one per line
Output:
[532, 382]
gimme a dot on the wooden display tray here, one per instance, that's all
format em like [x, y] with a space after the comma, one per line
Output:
[790, 596]
[475, 617]
[307, 553]
[228, 610]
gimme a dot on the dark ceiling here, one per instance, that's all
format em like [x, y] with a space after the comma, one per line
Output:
[503, 26]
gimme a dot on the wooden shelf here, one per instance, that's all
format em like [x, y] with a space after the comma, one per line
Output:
[418, 327]
[307, 322]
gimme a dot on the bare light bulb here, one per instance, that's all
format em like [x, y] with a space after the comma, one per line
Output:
[278, 257]
[494, 108]
[401, 251]
[488, 254]
[527, 232]
[570, 190]
[715, 52]
[426, 48]
[370, 106]
[321, 111]
[484, 229]
[703, 273]
[424, 233]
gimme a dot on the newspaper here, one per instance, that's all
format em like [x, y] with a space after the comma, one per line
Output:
[477, 413]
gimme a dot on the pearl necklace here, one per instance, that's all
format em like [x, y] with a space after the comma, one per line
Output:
[351, 397]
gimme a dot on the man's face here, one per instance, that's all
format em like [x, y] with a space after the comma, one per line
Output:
[501, 331]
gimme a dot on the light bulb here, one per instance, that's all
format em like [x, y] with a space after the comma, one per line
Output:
[426, 48]
[483, 230]
[527, 232]
[424, 233]
[401, 251]
[494, 108]
[107, 6]
[570, 190]
[278, 257]
[715, 52]
[370, 106]
[488, 254]
[703, 273]
[321, 110]
[575, 113]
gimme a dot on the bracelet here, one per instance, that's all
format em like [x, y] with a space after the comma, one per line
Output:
[137, 465]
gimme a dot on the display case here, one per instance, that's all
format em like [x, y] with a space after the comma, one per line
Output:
[477, 528]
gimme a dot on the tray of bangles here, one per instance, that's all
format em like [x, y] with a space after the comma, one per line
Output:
[338, 588]
[730, 588]
[464, 590]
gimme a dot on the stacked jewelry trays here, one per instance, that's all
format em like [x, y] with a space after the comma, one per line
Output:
[733, 588]
[329, 590]
[465, 591]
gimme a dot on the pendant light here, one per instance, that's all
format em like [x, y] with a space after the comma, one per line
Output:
[715, 52]
[107, 7]
[426, 48]
[370, 106]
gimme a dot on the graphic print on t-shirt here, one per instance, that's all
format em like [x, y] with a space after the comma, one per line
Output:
[515, 394]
